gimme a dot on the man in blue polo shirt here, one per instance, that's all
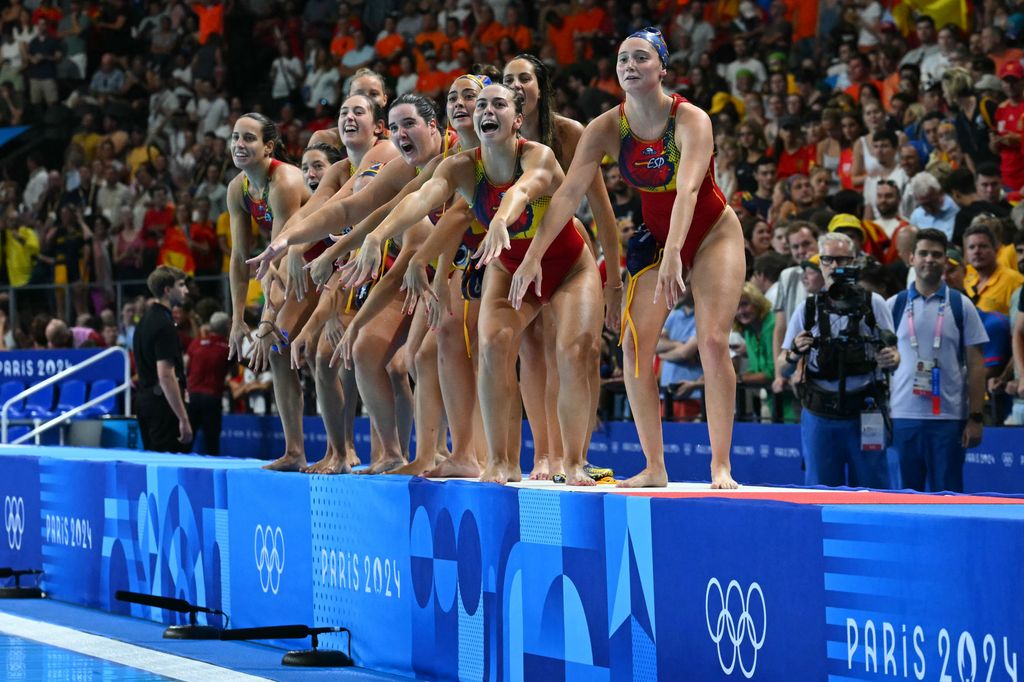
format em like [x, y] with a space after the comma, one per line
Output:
[940, 338]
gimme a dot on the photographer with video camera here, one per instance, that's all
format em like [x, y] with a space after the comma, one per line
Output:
[838, 344]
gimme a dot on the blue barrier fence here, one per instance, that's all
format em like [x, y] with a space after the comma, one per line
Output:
[761, 453]
[475, 581]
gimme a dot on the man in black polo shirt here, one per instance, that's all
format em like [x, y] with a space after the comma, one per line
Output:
[163, 419]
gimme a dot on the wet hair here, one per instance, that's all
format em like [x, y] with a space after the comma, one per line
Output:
[269, 133]
[376, 110]
[331, 152]
[545, 112]
[424, 107]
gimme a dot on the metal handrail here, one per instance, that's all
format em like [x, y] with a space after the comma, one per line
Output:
[125, 387]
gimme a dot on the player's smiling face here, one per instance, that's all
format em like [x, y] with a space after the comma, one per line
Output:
[494, 116]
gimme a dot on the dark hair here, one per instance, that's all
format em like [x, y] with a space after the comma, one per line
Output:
[959, 180]
[874, 89]
[269, 133]
[424, 107]
[848, 201]
[924, 18]
[764, 161]
[989, 168]
[489, 70]
[1018, 237]
[982, 230]
[932, 116]
[771, 265]
[930, 234]
[517, 97]
[749, 223]
[545, 112]
[375, 109]
[164, 276]
[886, 135]
[332, 153]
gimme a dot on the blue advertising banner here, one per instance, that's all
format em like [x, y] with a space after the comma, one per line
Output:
[896, 586]
[165, 534]
[32, 366]
[21, 546]
[270, 531]
[360, 558]
[73, 529]
[755, 611]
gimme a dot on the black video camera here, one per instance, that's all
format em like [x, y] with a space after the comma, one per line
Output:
[845, 296]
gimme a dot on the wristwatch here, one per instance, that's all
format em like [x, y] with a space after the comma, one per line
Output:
[976, 417]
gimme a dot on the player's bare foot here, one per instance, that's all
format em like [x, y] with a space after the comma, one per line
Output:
[353, 458]
[287, 462]
[515, 473]
[384, 465]
[721, 478]
[418, 467]
[575, 475]
[329, 465]
[454, 468]
[542, 469]
[494, 473]
[648, 478]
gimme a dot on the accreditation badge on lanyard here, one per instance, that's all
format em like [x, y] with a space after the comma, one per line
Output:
[927, 381]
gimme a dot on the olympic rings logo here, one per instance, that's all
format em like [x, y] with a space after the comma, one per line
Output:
[736, 628]
[268, 547]
[14, 520]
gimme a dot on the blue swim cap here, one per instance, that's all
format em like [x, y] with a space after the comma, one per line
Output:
[657, 41]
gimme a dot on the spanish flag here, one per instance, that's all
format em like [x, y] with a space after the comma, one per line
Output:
[942, 11]
[175, 251]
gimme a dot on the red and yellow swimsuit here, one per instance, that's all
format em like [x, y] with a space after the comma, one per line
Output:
[261, 212]
[562, 253]
[651, 166]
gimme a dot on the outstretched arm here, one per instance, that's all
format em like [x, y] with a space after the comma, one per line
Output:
[540, 169]
[413, 208]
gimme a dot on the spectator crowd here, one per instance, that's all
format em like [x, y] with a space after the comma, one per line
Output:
[860, 118]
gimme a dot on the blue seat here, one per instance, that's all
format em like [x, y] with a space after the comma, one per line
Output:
[8, 390]
[72, 394]
[38, 405]
[108, 406]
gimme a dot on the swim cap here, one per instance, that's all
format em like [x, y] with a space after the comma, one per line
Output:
[657, 41]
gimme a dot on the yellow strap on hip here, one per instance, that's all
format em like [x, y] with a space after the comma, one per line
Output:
[465, 327]
[627, 318]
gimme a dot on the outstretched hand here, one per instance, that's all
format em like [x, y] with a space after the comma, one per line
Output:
[343, 352]
[494, 242]
[239, 332]
[670, 280]
[263, 260]
[415, 285]
[365, 266]
[296, 283]
[528, 273]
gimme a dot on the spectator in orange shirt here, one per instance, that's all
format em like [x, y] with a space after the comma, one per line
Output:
[432, 81]
[389, 42]
[342, 41]
[211, 19]
[456, 37]
[559, 34]
[488, 29]
[430, 33]
[521, 35]
[586, 23]
[858, 70]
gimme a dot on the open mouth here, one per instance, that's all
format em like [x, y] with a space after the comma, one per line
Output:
[459, 115]
[407, 147]
[350, 128]
[488, 126]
